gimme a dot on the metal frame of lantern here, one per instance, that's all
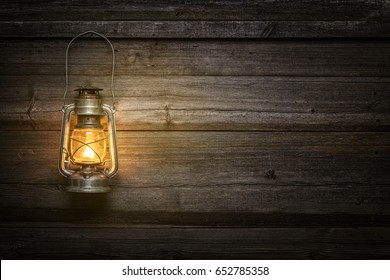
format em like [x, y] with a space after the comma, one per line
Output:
[82, 154]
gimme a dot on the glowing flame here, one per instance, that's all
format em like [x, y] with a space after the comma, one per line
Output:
[89, 153]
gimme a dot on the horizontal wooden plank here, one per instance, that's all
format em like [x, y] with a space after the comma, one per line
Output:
[197, 29]
[209, 103]
[365, 199]
[370, 10]
[311, 173]
[93, 213]
[348, 199]
[193, 243]
[91, 57]
[341, 157]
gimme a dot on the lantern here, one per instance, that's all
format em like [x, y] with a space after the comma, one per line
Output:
[88, 149]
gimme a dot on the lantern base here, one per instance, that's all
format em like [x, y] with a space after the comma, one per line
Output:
[93, 183]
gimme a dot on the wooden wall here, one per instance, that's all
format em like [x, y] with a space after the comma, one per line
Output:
[246, 129]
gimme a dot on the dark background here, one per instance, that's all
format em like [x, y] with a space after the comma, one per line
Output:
[246, 129]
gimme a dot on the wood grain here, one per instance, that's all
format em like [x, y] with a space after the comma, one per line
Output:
[50, 242]
[312, 173]
[246, 129]
[313, 58]
[209, 103]
[95, 213]
[120, 10]
[197, 29]
[366, 200]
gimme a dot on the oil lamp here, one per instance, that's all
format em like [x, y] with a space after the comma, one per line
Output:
[88, 150]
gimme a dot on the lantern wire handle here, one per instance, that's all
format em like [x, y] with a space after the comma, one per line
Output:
[112, 70]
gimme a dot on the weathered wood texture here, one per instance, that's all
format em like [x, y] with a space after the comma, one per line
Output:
[210, 103]
[244, 131]
[86, 242]
[210, 159]
[198, 29]
[134, 57]
[91, 210]
[241, 177]
[238, 98]
[201, 19]
[122, 10]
